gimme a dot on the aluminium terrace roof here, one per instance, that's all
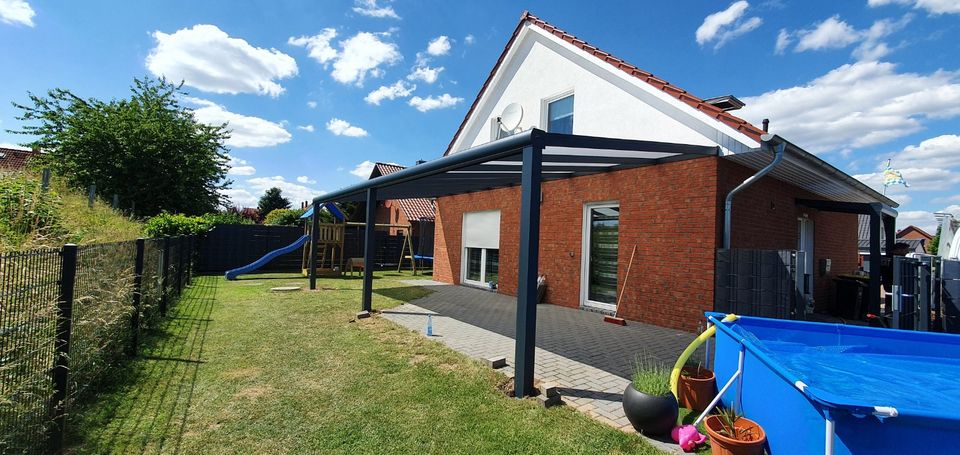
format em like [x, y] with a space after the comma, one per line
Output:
[498, 164]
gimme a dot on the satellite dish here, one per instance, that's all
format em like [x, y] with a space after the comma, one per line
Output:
[511, 117]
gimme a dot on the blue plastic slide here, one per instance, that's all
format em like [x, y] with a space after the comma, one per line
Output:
[233, 274]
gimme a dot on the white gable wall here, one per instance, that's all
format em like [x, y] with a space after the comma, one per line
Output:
[608, 104]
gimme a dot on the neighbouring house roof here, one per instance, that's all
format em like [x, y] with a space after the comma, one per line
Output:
[415, 209]
[717, 113]
[863, 243]
[913, 228]
[15, 159]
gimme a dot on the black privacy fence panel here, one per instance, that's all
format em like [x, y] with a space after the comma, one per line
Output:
[68, 317]
[758, 283]
[389, 247]
[925, 294]
[228, 246]
[29, 290]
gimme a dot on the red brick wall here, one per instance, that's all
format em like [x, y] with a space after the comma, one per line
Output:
[673, 212]
[669, 219]
[765, 217]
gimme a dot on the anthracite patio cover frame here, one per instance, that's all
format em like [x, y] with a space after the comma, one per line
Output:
[528, 159]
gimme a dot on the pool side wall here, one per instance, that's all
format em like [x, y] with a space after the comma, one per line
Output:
[794, 424]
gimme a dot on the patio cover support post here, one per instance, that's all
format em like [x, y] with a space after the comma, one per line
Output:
[530, 179]
[874, 290]
[890, 231]
[314, 227]
[369, 248]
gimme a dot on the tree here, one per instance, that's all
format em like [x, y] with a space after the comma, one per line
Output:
[934, 242]
[147, 149]
[283, 217]
[272, 199]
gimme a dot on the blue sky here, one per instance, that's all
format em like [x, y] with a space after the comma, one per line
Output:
[313, 90]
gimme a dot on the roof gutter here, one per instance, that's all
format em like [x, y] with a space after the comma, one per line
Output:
[766, 140]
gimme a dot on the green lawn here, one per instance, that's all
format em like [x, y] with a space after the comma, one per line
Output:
[238, 369]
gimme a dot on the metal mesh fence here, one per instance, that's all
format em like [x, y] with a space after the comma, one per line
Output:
[102, 330]
[29, 290]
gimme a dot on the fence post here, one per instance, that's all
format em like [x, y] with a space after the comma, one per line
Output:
[116, 200]
[45, 180]
[137, 296]
[192, 250]
[61, 362]
[180, 242]
[164, 280]
[91, 194]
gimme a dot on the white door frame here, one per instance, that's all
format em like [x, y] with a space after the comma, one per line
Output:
[585, 257]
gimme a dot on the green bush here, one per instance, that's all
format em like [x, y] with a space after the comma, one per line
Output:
[26, 210]
[283, 217]
[166, 224]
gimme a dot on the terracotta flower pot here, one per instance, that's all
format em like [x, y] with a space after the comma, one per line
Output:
[725, 445]
[696, 387]
[650, 414]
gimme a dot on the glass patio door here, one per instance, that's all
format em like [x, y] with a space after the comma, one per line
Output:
[601, 243]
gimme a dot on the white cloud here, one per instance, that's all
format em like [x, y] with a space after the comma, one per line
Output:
[363, 54]
[359, 56]
[306, 180]
[439, 46]
[245, 131]
[312, 104]
[400, 89]
[240, 197]
[371, 9]
[430, 103]
[878, 105]
[16, 12]
[363, 170]
[832, 33]
[934, 7]
[469, 39]
[307, 128]
[206, 58]
[425, 73]
[726, 25]
[941, 152]
[784, 38]
[344, 128]
[318, 46]
[919, 179]
[296, 193]
[919, 218]
[240, 167]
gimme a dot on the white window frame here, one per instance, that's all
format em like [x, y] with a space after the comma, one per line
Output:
[483, 266]
[545, 108]
[585, 257]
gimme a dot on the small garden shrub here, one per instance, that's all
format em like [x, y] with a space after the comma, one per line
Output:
[651, 376]
[283, 217]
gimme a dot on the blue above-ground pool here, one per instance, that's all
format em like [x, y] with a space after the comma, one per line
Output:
[860, 390]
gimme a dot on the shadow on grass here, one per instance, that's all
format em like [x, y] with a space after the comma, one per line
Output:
[145, 410]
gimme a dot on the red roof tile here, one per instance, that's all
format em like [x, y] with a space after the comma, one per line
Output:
[14, 159]
[415, 209]
[697, 103]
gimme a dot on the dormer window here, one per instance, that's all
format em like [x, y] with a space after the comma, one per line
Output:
[560, 115]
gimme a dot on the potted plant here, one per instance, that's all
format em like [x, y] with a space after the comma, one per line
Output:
[733, 434]
[647, 401]
[696, 387]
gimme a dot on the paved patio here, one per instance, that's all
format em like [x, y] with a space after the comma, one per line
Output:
[590, 361]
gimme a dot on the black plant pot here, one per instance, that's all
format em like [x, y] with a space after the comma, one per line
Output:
[650, 414]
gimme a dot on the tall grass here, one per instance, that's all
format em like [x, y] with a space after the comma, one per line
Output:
[32, 218]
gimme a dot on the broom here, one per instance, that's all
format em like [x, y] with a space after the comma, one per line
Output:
[614, 319]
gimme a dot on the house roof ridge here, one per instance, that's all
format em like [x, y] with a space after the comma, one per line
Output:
[686, 97]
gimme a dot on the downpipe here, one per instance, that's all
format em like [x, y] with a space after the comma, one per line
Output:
[728, 203]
